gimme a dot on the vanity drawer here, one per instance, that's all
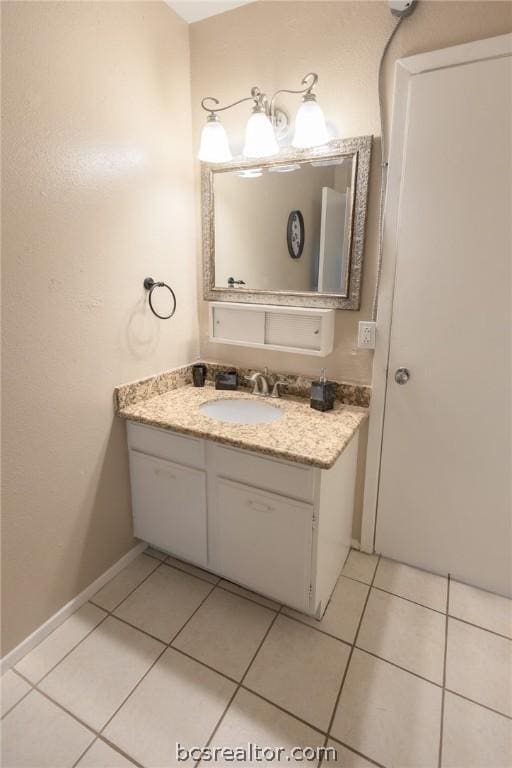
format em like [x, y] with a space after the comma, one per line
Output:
[262, 541]
[166, 445]
[283, 477]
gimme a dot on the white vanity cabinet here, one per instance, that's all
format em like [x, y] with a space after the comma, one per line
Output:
[276, 527]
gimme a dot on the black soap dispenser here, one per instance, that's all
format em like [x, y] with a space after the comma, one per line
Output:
[323, 393]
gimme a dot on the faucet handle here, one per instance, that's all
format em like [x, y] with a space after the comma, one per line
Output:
[275, 389]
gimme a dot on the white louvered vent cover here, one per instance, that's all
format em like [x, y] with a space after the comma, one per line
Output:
[300, 331]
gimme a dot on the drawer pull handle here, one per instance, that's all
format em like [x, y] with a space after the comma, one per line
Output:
[159, 472]
[260, 507]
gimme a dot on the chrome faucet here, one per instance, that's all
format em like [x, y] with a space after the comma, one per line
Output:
[260, 383]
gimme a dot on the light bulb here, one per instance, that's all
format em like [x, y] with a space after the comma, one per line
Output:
[310, 128]
[260, 140]
[214, 147]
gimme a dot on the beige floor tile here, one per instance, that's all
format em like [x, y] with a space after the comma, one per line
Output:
[164, 602]
[482, 608]
[249, 719]
[100, 672]
[47, 654]
[389, 715]
[100, 755]
[360, 566]
[343, 612]
[479, 666]
[13, 688]
[300, 669]
[413, 584]
[192, 569]
[38, 734]
[405, 633]
[237, 590]
[345, 758]
[178, 701]
[474, 737]
[225, 632]
[152, 552]
[121, 585]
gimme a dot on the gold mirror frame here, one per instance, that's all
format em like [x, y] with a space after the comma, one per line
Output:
[358, 148]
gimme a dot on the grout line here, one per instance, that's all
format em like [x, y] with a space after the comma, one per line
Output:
[67, 711]
[195, 575]
[322, 631]
[23, 697]
[356, 752]
[107, 614]
[70, 650]
[165, 648]
[445, 655]
[204, 664]
[349, 659]
[134, 626]
[397, 666]
[250, 599]
[283, 709]
[477, 626]
[479, 704]
[88, 747]
[228, 705]
[119, 750]
[408, 599]
[134, 589]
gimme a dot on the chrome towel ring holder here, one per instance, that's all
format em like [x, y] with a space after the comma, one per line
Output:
[150, 285]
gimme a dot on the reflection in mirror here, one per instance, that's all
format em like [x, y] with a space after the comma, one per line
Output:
[285, 228]
[288, 230]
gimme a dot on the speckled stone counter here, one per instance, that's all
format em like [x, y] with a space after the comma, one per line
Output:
[302, 434]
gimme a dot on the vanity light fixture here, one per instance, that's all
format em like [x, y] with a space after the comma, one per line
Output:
[266, 119]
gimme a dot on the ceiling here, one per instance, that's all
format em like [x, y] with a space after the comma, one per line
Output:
[195, 10]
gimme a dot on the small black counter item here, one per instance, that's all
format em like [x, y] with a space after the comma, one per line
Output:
[323, 393]
[226, 380]
[199, 374]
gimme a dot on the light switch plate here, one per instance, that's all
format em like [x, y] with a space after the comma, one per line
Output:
[366, 334]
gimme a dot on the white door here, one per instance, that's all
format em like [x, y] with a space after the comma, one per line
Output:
[445, 484]
[169, 506]
[261, 540]
[332, 260]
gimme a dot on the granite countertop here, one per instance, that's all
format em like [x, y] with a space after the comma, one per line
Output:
[302, 434]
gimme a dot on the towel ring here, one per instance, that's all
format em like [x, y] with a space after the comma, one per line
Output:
[150, 285]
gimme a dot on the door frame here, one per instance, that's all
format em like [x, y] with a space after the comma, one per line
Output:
[405, 69]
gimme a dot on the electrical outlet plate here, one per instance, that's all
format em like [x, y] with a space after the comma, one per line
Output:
[366, 334]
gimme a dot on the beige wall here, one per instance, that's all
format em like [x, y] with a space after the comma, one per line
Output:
[273, 44]
[97, 194]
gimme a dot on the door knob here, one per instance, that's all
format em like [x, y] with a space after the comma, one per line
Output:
[402, 375]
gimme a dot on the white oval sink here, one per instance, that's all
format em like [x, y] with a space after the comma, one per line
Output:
[241, 411]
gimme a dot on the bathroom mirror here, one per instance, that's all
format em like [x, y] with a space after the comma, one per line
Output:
[289, 229]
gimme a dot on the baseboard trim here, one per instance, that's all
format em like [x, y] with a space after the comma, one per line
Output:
[356, 544]
[30, 642]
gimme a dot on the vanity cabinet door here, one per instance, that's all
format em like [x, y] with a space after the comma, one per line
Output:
[169, 506]
[261, 540]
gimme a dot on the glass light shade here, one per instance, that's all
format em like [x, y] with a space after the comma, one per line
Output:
[260, 140]
[310, 128]
[214, 147]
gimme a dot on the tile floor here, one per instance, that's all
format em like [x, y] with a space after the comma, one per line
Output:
[405, 669]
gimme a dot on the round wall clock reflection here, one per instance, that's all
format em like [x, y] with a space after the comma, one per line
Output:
[295, 234]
